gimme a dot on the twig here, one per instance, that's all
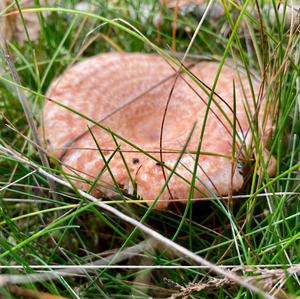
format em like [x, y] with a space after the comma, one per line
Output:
[18, 180]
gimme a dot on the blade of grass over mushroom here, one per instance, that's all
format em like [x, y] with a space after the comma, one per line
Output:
[208, 90]
[175, 80]
[212, 91]
[6, 9]
[118, 149]
[78, 176]
[151, 151]
[192, 188]
[205, 88]
[106, 164]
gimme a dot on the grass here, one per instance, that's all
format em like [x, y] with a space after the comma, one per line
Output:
[259, 227]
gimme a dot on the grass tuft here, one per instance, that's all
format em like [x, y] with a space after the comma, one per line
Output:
[117, 247]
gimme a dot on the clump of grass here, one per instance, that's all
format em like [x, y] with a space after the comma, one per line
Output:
[260, 229]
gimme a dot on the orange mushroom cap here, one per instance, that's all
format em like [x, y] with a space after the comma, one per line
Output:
[128, 94]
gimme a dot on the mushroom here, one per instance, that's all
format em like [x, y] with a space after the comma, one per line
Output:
[127, 94]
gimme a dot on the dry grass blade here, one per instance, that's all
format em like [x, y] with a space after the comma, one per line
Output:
[7, 279]
[22, 98]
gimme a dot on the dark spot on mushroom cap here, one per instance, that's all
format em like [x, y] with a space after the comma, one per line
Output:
[135, 160]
